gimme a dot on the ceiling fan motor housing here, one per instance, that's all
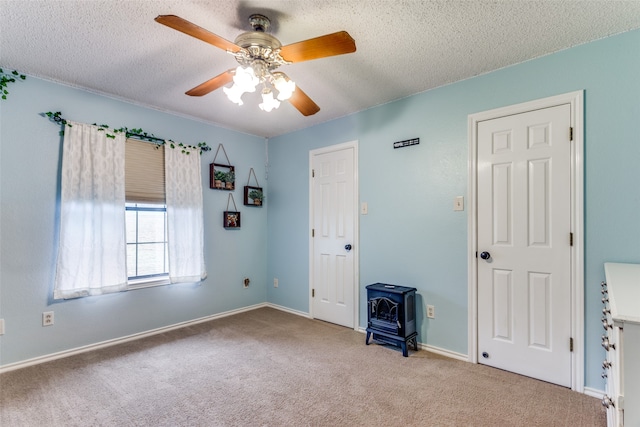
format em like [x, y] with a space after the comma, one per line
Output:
[258, 41]
[259, 46]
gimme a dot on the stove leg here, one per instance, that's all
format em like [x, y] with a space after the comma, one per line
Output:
[367, 339]
[405, 353]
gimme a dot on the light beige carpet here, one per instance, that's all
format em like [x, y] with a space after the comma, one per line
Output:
[270, 368]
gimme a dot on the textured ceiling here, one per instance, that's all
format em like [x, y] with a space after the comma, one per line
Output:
[403, 47]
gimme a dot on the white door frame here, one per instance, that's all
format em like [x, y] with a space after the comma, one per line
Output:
[356, 227]
[575, 99]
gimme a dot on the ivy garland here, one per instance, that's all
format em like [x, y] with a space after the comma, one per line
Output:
[6, 78]
[132, 133]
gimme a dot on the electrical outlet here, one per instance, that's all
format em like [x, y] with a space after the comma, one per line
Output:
[275, 282]
[47, 318]
[431, 312]
[245, 282]
[1, 326]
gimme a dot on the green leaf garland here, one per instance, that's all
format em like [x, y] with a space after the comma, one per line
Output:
[137, 133]
[6, 78]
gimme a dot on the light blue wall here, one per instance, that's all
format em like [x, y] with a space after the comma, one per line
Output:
[412, 236]
[29, 191]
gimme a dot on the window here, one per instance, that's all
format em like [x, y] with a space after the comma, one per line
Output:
[147, 256]
[146, 215]
[103, 249]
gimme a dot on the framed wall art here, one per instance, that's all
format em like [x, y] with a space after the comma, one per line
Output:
[231, 219]
[222, 176]
[253, 196]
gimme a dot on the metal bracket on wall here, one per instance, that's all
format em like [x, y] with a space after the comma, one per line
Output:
[406, 143]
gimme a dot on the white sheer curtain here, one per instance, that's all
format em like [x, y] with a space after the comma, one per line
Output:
[185, 223]
[92, 248]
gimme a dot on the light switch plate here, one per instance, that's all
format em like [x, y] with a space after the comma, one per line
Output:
[364, 208]
[458, 203]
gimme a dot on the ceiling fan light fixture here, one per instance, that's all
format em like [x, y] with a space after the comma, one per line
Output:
[234, 93]
[268, 101]
[246, 79]
[284, 87]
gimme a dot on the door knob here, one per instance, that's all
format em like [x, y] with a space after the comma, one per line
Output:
[485, 255]
[347, 247]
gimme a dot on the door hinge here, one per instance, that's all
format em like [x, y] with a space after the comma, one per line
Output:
[570, 239]
[571, 344]
[313, 293]
[313, 232]
[571, 133]
[313, 173]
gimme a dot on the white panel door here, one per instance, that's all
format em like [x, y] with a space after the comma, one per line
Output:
[333, 224]
[524, 254]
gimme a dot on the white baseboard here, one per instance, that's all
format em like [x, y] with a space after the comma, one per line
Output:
[436, 350]
[594, 392]
[108, 343]
[288, 310]
[444, 352]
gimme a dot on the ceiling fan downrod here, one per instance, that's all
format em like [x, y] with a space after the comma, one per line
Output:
[259, 22]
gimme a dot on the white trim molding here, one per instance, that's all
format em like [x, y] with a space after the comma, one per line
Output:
[288, 310]
[594, 392]
[433, 349]
[121, 340]
[444, 352]
[576, 102]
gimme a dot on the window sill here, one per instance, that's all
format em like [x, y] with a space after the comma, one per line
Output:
[148, 283]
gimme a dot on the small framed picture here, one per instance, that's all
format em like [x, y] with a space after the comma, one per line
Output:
[253, 196]
[222, 177]
[231, 219]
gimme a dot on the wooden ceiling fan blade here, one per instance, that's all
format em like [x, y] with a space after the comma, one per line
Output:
[184, 26]
[212, 84]
[303, 103]
[320, 47]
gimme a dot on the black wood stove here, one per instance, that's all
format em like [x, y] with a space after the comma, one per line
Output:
[392, 315]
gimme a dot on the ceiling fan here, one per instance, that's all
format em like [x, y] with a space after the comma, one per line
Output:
[259, 55]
